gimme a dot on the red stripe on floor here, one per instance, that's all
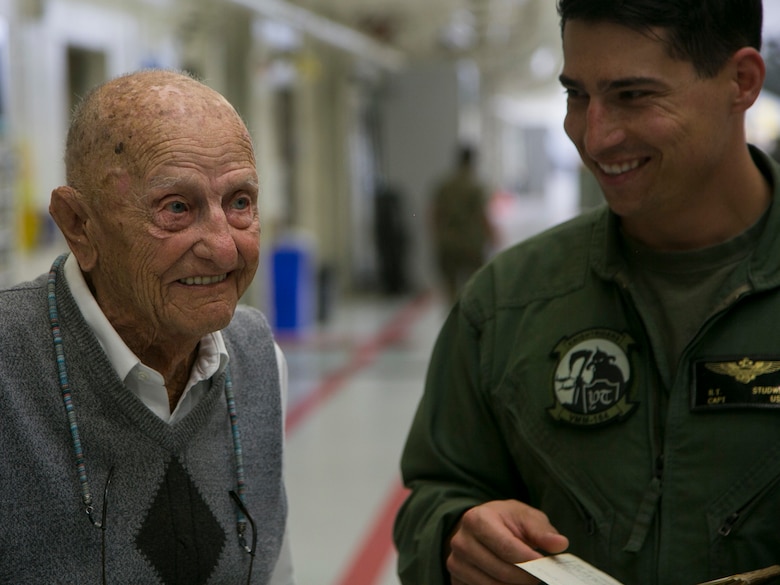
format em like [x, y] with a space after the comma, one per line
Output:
[374, 553]
[364, 354]
[371, 558]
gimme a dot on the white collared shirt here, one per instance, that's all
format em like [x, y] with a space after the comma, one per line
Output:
[148, 384]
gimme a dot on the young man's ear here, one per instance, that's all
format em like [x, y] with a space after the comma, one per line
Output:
[69, 213]
[749, 76]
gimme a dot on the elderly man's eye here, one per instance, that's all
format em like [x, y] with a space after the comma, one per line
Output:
[242, 203]
[176, 207]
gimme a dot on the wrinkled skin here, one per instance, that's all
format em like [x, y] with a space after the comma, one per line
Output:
[176, 203]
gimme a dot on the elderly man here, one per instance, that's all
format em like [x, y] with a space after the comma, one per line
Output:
[612, 386]
[142, 424]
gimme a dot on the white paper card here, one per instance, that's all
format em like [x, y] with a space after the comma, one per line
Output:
[566, 569]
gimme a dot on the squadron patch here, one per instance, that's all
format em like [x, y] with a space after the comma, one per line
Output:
[592, 378]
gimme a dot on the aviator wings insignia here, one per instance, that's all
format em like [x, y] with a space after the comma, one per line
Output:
[745, 370]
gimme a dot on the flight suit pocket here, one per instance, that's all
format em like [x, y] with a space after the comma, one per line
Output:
[743, 523]
[589, 528]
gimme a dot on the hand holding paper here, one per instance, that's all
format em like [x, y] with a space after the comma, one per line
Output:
[490, 539]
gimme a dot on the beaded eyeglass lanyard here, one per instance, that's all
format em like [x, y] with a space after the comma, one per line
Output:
[67, 399]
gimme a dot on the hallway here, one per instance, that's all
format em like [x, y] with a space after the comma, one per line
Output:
[354, 386]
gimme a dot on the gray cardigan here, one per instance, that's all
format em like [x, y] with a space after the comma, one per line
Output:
[170, 519]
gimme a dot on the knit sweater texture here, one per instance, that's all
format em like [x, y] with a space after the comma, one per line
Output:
[169, 517]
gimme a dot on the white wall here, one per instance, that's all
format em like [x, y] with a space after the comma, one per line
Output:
[41, 76]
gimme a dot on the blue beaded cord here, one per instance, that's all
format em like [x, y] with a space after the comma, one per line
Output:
[67, 399]
[239, 455]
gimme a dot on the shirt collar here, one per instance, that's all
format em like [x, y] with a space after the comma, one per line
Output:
[212, 354]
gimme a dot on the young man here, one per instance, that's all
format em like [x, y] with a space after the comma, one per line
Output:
[612, 387]
[141, 409]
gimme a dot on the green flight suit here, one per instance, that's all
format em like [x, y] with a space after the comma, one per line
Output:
[544, 387]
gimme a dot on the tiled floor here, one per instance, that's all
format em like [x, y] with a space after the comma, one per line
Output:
[353, 390]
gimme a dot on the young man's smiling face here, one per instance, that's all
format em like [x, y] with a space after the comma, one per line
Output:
[652, 131]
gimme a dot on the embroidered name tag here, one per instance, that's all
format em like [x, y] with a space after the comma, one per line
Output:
[736, 383]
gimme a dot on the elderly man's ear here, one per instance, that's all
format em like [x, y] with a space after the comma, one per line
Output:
[70, 214]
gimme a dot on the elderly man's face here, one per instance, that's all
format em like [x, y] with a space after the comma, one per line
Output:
[179, 245]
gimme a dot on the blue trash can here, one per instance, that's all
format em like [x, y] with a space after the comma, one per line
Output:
[293, 283]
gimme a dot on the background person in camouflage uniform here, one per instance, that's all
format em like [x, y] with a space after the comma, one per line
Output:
[461, 229]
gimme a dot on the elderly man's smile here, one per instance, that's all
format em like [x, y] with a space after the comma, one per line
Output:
[202, 280]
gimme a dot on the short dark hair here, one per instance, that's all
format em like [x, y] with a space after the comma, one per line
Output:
[705, 32]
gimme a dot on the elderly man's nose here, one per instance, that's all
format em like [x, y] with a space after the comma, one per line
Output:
[216, 242]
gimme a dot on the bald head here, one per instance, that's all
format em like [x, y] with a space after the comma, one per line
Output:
[160, 210]
[117, 123]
